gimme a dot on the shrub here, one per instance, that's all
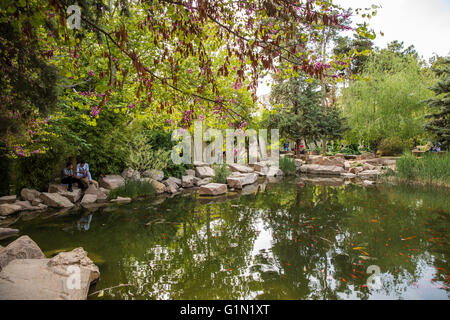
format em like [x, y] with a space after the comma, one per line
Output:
[221, 173]
[142, 157]
[287, 165]
[38, 170]
[133, 189]
[394, 146]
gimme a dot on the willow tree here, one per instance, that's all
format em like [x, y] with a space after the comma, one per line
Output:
[387, 104]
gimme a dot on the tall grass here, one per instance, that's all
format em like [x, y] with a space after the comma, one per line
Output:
[287, 165]
[432, 168]
[133, 189]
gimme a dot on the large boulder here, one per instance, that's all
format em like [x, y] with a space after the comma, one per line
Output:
[7, 232]
[66, 276]
[8, 199]
[175, 180]
[172, 188]
[366, 156]
[347, 165]
[237, 181]
[190, 172]
[261, 166]
[187, 181]
[55, 200]
[29, 194]
[56, 188]
[204, 172]
[159, 187]
[201, 164]
[368, 174]
[298, 163]
[36, 202]
[27, 206]
[367, 166]
[73, 196]
[76, 257]
[274, 172]
[234, 167]
[212, 189]
[202, 182]
[355, 170]
[171, 185]
[102, 197]
[104, 190]
[92, 189]
[111, 181]
[8, 208]
[88, 199]
[21, 248]
[348, 175]
[319, 169]
[337, 161]
[121, 200]
[157, 175]
[131, 174]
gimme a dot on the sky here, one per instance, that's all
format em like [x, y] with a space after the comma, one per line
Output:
[422, 23]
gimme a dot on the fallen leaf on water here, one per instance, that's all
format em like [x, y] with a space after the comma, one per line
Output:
[374, 221]
[409, 238]
[364, 252]
[358, 248]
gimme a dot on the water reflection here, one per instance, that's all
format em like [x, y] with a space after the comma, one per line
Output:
[292, 239]
[85, 222]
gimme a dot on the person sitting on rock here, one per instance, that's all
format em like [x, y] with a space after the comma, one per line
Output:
[69, 178]
[83, 172]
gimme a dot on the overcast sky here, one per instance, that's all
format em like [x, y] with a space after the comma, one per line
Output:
[422, 23]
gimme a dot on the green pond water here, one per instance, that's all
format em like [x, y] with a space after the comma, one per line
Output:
[283, 240]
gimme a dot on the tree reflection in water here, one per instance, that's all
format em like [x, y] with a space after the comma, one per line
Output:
[301, 239]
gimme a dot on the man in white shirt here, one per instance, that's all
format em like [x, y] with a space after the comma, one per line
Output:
[83, 171]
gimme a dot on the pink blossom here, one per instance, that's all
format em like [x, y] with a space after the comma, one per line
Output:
[237, 85]
[91, 73]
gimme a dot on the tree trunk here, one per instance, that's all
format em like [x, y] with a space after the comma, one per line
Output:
[324, 148]
[297, 147]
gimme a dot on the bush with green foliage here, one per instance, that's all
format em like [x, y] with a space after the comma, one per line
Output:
[38, 170]
[221, 173]
[141, 155]
[394, 146]
[432, 168]
[133, 189]
[287, 165]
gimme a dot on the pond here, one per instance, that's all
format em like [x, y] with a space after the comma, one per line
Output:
[293, 239]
